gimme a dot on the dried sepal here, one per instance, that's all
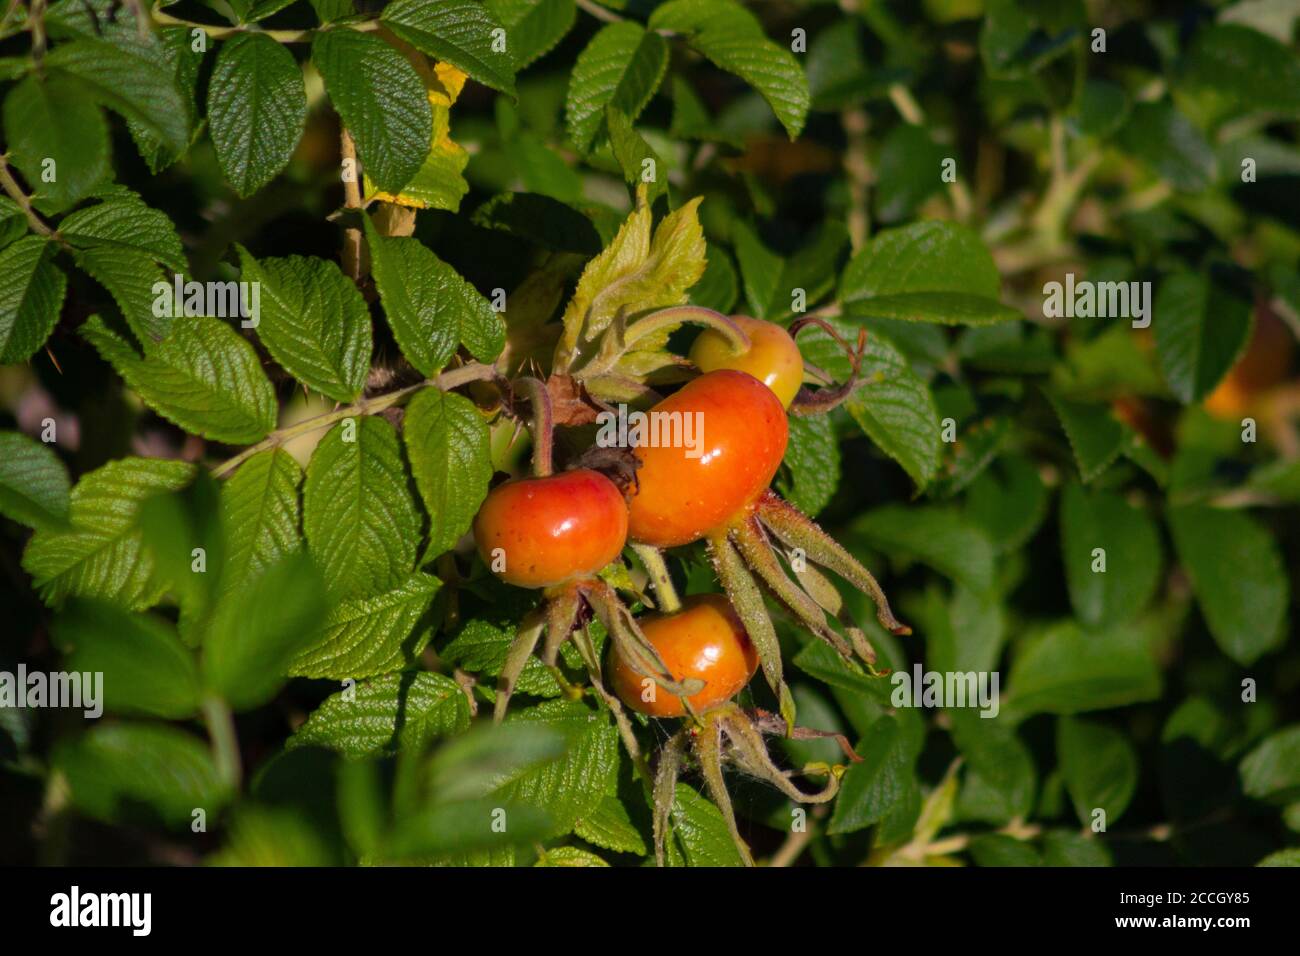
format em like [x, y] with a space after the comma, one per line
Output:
[748, 752]
[821, 590]
[521, 648]
[633, 645]
[797, 530]
[751, 541]
[708, 751]
[665, 789]
[562, 609]
[747, 599]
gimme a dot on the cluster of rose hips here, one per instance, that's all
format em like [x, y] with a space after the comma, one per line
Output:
[556, 532]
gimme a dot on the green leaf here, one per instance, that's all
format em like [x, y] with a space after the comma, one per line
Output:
[772, 282]
[996, 849]
[870, 788]
[1163, 138]
[260, 514]
[907, 172]
[634, 155]
[457, 31]
[570, 856]
[33, 483]
[733, 40]
[447, 444]
[257, 106]
[381, 100]
[279, 837]
[130, 82]
[1281, 858]
[313, 321]
[31, 297]
[141, 772]
[1100, 768]
[1020, 37]
[925, 272]
[1271, 771]
[608, 826]
[431, 309]
[131, 277]
[1009, 501]
[50, 122]
[175, 526]
[572, 787]
[533, 27]
[622, 67]
[1127, 535]
[257, 629]
[1094, 433]
[1066, 670]
[1068, 848]
[387, 714]
[145, 667]
[1238, 576]
[812, 456]
[203, 376]
[1201, 327]
[643, 268]
[1250, 70]
[940, 537]
[700, 835]
[361, 524]
[1000, 779]
[124, 221]
[481, 646]
[892, 405]
[371, 635]
[103, 556]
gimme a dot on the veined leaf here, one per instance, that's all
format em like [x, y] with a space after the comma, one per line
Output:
[34, 483]
[361, 524]
[31, 297]
[387, 714]
[371, 635]
[533, 27]
[461, 32]
[447, 444]
[641, 269]
[257, 106]
[622, 67]
[1201, 327]
[733, 40]
[1130, 548]
[137, 86]
[439, 183]
[431, 309]
[260, 514]
[381, 100]
[123, 220]
[130, 276]
[925, 272]
[313, 321]
[50, 122]
[203, 377]
[102, 556]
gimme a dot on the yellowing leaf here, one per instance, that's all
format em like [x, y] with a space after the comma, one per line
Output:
[440, 182]
[642, 269]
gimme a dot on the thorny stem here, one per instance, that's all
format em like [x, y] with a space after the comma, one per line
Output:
[279, 36]
[225, 745]
[543, 424]
[353, 249]
[15, 192]
[471, 372]
[657, 568]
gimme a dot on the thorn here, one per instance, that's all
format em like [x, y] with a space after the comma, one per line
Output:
[58, 367]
